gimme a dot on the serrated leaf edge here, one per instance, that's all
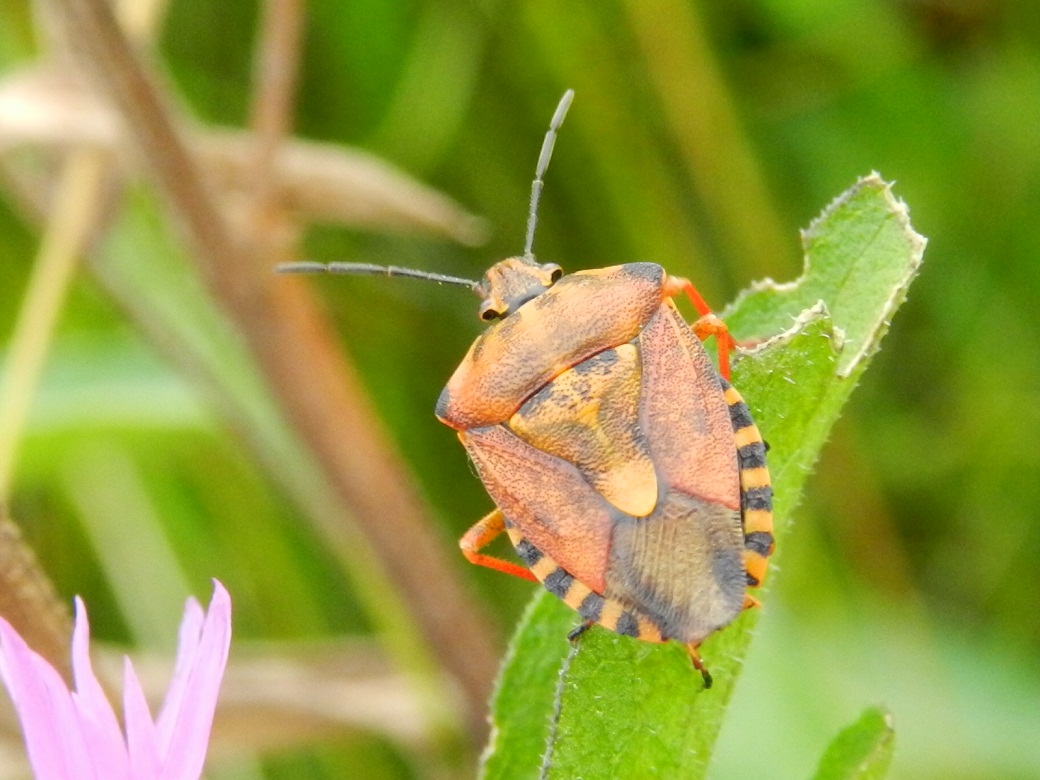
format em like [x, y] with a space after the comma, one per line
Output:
[917, 242]
[818, 311]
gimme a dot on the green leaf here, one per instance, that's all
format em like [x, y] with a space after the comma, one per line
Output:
[861, 751]
[861, 255]
[528, 682]
[611, 706]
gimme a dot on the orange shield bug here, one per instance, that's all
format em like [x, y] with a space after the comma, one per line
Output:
[625, 469]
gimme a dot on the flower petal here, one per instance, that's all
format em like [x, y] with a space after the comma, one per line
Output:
[53, 739]
[188, 639]
[142, 737]
[97, 719]
[192, 698]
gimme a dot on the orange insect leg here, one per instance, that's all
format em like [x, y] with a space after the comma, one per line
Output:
[483, 532]
[751, 602]
[698, 664]
[708, 325]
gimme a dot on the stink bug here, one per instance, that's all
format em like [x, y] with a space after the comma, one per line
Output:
[625, 469]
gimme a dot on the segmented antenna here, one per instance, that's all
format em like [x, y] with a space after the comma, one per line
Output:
[369, 269]
[543, 163]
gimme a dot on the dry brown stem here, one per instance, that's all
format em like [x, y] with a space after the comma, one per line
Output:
[298, 352]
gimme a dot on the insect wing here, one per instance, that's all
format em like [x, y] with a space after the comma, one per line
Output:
[684, 415]
[547, 500]
[683, 565]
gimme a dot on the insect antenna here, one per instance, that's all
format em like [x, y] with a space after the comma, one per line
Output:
[539, 172]
[369, 269]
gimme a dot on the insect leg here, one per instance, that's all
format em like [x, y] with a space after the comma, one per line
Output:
[698, 664]
[750, 601]
[483, 532]
[708, 324]
[676, 285]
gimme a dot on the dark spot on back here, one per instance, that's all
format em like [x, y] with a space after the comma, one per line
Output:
[757, 498]
[598, 362]
[591, 607]
[558, 582]
[528, 553]
[740, 416]
[627, 625]
[649, 271]
[760, 542]
[752, 456]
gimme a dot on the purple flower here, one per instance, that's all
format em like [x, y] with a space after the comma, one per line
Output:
[76, 736]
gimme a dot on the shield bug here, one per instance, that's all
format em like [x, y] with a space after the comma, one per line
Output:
[625, 469]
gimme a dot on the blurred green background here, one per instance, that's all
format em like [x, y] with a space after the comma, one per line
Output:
[703, 136]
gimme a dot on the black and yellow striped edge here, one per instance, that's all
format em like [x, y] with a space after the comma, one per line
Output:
[593, 607]
[756, 491]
